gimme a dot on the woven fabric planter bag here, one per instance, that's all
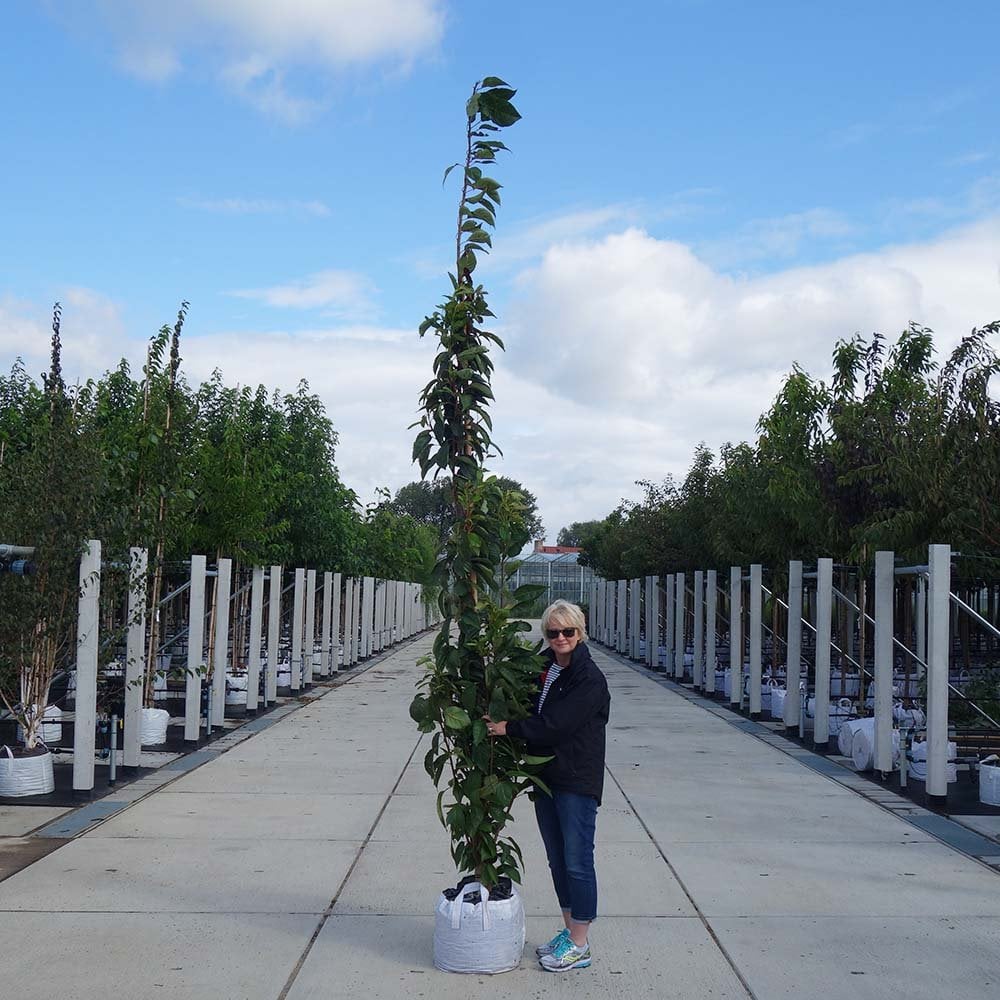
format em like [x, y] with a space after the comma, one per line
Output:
[778, 696]
[845, 738]
[476, 934]
[840, 712]
[918, 766]
[25, 775]
[989, 781]
[51, 728]
[236, 689]
[863, 747]
[153, 726]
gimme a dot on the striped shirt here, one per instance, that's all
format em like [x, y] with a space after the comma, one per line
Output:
[551, 675]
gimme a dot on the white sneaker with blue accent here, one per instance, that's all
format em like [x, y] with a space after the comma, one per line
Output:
[566, 956]
[550, 946]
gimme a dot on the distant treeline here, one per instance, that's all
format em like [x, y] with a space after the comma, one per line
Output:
[894, 453]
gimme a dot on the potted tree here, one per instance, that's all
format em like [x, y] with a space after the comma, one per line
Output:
[50, 482]
[480, 664]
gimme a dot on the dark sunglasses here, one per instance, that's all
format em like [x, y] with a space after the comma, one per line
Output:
[566, 633]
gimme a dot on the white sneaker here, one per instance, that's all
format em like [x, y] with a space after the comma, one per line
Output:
[566, 956]
[550, 946]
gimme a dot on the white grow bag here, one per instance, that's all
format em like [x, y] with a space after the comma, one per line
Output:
[778, 696]
[863, 747]
[918, 767]
[25, 775]
[485, 936]
[851, 684]
[840, 712]
[50, 730]
[989, 781]
[153, 726]
[845, 738]
[236, 689]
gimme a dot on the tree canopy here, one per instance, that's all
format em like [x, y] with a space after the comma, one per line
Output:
[893, 452]
[430, 502]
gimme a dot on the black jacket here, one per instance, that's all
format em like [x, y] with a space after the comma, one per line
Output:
[570, 727]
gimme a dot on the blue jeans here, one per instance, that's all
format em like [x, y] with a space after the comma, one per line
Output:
[567, 822]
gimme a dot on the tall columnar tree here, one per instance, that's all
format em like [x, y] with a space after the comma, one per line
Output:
[479, 666]
[51, 485]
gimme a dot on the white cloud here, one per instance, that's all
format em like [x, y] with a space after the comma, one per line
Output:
[637, 349]
[779, 238]
[368, 377]
[624, 352]
[342, 292]
[92, 333]
[252, 44]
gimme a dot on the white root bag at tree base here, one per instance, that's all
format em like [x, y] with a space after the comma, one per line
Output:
[840, 712]
[51, 728]
[918, 768]
[778, 695]
[485, 936]
[153, 726]
[25, 775]
[989, 781]
[845, 738]
[863, 747]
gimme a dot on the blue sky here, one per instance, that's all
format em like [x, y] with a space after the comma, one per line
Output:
[700, 193]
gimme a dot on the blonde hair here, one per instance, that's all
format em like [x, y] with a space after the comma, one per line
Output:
[568, 614]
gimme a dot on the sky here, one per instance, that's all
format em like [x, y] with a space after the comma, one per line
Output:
[700, 194]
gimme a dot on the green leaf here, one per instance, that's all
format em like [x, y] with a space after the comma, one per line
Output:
[456, 718]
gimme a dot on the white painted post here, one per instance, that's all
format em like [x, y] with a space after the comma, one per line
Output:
[273, 634]
[793, 664]
[698, 666]
[680, 646]
[195, 657]
[256, 624]
[356, 634]
[736, 635]
[87, 645]
[652, 621]
[220, 655]
[884, 585]
[756, 602]
[380, 593]
[669, 619]
[298, 613]
[309, 640]
[633, 646]
[135, 659]
[711, 610]
[368, 615]
[324, 642]
[938, 663]
[348, 620]
[609, 614]
[621, 620]
[824, 611]
[335, 627]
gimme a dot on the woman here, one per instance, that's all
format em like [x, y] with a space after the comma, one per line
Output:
[568, 724]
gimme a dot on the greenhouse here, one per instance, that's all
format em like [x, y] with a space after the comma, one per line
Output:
[557, 568]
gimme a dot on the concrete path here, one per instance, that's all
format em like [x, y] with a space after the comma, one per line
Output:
[305, 862]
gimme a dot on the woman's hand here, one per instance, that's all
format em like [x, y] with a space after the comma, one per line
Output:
[495, 728]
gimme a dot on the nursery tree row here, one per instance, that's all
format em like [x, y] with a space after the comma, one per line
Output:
[147, 458]
[893, 452]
